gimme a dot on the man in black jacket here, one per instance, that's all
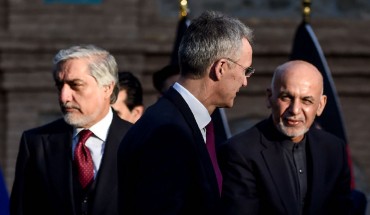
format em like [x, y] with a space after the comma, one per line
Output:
[284, 165]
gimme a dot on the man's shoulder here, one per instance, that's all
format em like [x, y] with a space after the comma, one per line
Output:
[321, 135]
[55, 126]
[253, 130]
[118, 122]
[249, 139]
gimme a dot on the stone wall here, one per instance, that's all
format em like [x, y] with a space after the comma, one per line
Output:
[140, 34]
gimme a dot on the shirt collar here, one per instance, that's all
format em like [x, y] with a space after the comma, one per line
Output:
[100, 129]
[200, 112]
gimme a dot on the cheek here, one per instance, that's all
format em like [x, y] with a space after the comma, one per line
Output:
[310, 113]
[279, 107]
[225, 88]
[93, 99]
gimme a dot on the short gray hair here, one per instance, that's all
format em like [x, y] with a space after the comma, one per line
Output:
[210, 37]
[103, 66]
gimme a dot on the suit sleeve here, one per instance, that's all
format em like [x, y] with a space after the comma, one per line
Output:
[239, 191]
[158, 172]
[341, 201]
[18, 193]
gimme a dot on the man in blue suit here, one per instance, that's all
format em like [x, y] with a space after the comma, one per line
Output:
[163, 163]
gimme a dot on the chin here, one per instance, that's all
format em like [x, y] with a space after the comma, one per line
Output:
[73, 120]
[292, 132]
[230, 105]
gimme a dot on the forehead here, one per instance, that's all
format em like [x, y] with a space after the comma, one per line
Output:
[74, 67]
[300, 79]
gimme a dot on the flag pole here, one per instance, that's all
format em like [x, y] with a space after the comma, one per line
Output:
[183, 8]
[181, 28]
[306, 11]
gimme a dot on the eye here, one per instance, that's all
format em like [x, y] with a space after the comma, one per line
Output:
[307, 101]
[59, 85]
[74, 85]
[285, 97]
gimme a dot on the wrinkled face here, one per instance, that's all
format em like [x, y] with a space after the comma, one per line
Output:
[296, 100]
[121, 108]
[234, 76]
[83, 102]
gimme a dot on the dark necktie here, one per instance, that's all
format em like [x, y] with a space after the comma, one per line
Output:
[83, 160]
[210, 143]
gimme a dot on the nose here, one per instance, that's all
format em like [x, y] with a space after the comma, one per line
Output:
[245, 82]
[295, 107]
[65, 93]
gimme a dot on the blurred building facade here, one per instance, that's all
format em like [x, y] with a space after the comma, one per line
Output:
[140, 34]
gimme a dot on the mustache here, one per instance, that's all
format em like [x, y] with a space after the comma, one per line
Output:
[294, 118]
[69, 105]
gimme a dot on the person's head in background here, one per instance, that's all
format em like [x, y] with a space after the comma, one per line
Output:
[129, 105]
[165, 77]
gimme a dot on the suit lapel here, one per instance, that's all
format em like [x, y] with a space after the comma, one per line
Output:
[106, 181]
[278, 172]
[180, 103]
[315, 158]
[58, 159]
[273, 156]
[206, 162]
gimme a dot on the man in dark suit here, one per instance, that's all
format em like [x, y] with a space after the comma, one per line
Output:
[284, 165]
[47, 180]
[163, 163]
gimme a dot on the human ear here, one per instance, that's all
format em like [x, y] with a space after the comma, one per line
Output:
[219, 68]
[108, 89]
[322, 104]
[137, 112]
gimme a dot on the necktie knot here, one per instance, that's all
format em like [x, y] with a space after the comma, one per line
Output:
[84, 135]
[83, 159]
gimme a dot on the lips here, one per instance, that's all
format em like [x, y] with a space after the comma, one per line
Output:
[292, 122]
[66, 109]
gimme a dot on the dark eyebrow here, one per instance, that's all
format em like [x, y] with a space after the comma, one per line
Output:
[309, 98]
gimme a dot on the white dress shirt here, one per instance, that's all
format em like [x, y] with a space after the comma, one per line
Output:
[96, 142]
[200, 112]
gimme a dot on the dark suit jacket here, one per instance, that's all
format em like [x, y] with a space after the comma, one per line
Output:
[256, 178]
[163, 164]
[44, 181]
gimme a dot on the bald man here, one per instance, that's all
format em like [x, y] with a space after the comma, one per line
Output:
[284, 165]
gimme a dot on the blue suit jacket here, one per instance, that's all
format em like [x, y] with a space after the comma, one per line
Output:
[256, 178]
[163, 163]
[44, 181]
